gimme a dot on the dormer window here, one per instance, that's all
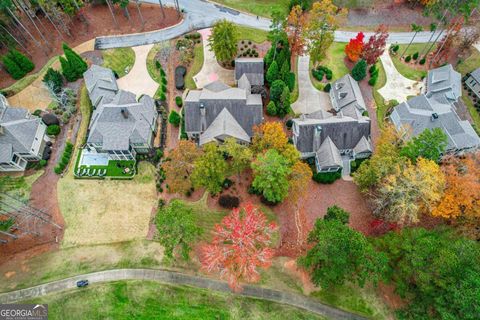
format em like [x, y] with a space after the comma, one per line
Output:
[342, 95]
[339, 85]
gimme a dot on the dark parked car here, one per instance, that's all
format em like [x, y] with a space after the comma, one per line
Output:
[82, 283]
[180, 72]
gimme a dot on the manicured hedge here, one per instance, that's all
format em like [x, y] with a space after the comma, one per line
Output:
[66, 156]
[327, 177]
[53, 130]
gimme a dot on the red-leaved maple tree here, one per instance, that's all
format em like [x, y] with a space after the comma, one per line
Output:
[375, 45]
[240, 245]
[354, 48]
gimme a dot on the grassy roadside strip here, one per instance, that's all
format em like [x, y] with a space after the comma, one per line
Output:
[409, 70]
[194, 67]
[380, 103]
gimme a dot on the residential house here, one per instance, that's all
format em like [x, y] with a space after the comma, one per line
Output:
[252, 68]
[436, 109]
[219, 111]
[120, 125]
[22, 137]
[444, 84]
[419, 113]
[334, 140]
[101, 85]
[472, 82]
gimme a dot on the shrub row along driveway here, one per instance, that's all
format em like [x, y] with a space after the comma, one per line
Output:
[175, 278]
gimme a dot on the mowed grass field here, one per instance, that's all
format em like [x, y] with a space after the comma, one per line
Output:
[106, 211]
[119, 59]
[151, 300]
[262, 8]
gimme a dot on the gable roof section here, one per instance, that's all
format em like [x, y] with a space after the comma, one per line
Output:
[475, 74]
[244, 107]
[252, 68]
[444, 82]
[328, 154]
[224, 126]
[6, 152]
[415, 118]
[101, 84]
[363, 146]
[346, 92]
[116, 126]
[20, 134]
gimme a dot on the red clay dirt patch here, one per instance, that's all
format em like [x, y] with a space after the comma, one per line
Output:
[100, 24]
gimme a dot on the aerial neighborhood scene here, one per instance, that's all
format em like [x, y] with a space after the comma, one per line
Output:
[240, 159]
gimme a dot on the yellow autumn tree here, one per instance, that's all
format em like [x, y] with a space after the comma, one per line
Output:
[298, 180]
[462, 192]
[269, 135]
[409, 191]
[180, 166]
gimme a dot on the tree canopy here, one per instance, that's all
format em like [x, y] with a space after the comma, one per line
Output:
[223, 40]
[430, 144]
[210, 169]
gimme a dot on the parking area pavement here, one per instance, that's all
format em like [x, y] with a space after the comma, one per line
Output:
[397, 87]
[309, 99]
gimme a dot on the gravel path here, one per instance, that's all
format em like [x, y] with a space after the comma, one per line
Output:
[397, 87]
[176, 278]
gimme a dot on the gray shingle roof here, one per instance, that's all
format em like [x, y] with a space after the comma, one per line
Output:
[18, 130]
[363, 146]
[101, 84]
[252, 68]
[444, 83]
[345, 132]
[476, 74]
[224, 126]
[420, 113]
[245, 108]
[116, 126]
[328, 154]
[346, 92]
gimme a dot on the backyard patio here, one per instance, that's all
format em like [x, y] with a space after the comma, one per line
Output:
[99, 165]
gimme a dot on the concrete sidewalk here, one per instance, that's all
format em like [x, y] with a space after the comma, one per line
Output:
[175, 278]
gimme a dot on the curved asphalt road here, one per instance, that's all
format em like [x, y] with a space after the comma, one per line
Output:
[200, 14]
[175, 278]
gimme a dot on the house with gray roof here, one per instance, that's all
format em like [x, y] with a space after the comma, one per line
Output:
[22, 137]
[120, 125]
[345, 93]
[101, 84]
[444, 84]
[219, 111]
[422, 112]
[472, 82]
[331, 139]
[338, 137]
[252, 68]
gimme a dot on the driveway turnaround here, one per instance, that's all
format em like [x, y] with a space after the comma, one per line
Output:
[175, 278]
[397, 87]
[138, 80]
[201, 14]
[309, 99]
[211, 70]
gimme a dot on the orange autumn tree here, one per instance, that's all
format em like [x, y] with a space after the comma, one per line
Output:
[241, 245]
[294, 28]
[462, 193]
[180, 166]
[354, 48]
[298, 180]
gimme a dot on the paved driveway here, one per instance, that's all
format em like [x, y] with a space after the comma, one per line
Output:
[309, 99]
[397, 87]
[211, 70]
[138, 80]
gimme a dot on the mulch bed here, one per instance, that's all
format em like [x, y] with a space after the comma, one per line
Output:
[100, 23]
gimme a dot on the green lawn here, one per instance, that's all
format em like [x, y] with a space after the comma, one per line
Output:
[115, 169]
[151, 300]
[194, 67]
[382, 107]
[470, 64]
[411, 71]
[262, 8]
[29, 79]
[253, 34]
[119, 59]
[334, 61]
